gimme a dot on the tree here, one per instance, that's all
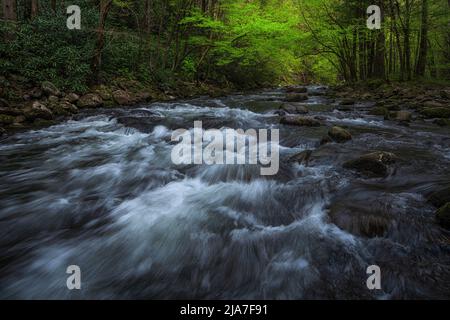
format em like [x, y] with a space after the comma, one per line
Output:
[10, 10]
[105, 6]
[423, 47]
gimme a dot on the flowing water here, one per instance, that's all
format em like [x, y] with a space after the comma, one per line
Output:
[100, 191]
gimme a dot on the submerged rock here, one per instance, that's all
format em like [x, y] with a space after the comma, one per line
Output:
[296, 89]
[296, 97]
[372, 164]
[357, 219]
[294, 108]
[339, 134]
[440, 197]
[300, 121]
[443, 215]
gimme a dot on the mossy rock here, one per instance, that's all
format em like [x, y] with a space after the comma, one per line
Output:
[439, 112]
[379, 111]
[339, 134]
[6, 119]
[443, 216]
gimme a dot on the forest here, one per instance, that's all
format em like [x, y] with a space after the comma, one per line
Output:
[229, 43]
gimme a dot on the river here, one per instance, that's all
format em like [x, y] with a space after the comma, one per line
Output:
[100, 191]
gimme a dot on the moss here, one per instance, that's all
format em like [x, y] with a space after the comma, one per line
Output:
[6, 119]
[379, 111]
[438, 112]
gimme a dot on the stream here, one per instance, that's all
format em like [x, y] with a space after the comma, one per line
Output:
[100, 191]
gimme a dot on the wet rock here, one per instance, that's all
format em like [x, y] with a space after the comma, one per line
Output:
[372, 164]
[53, 99]
[144, 96]
[439, 197]
[122, 97]
[443, 216]
[36, 93]
[50, 89]
[2, 131]
[72, 98]
[301, 157]
[442, 122]
[300, 121]
[325, 140]
[296, 89]
[440, 112]
[6, 119]
[403, 116]
[433, 104]
[296, 97]
[347, 102]
[90, 100]
[357, 219]
[261, 106]
[35, 109]
[339, 134]
[445, 94]
[379, 111]
[10, 111]
[294, 108]
[4, 103]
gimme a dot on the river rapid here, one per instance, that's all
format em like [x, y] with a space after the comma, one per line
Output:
[100, 191]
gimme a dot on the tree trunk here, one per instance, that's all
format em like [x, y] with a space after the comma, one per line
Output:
[423, 47]
[10, 10]
[105, 6]
[34, 8]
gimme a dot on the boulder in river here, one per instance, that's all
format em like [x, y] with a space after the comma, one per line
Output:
[347, 102]
[403, 116]
[90, 100]
[360, 219]
[64, 108]
[339, 134]
[300, 121]
[443, 215]
[372, 164]
[294, 108]
[293, 89]
[438, 112]
[440, 196]
[297, 97]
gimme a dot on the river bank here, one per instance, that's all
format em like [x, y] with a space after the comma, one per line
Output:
[25, 105]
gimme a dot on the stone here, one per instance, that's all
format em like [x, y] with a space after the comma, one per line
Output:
[403, 116]
[72, 97]
[372, 164]
[50, 89]
[339, 134]
[439, 112]
[443, 216]
[296, 97]
[35, 109]
[294, 108]
[90, 100]
[122, 97]
[300, 121]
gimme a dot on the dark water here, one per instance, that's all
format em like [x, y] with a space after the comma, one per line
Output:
[102, 193]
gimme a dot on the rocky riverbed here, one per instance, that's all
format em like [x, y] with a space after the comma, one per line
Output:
[356, 187]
